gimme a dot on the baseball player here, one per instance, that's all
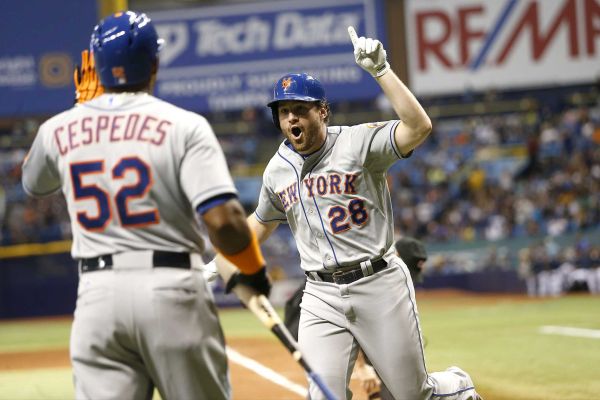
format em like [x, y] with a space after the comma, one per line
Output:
[329, 184]
[134, 170]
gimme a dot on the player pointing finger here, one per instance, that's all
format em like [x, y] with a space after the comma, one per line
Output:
[329, 184]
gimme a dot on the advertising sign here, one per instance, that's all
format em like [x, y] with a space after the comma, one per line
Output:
[463, 45]
[225, 58]
[214, 58]
[41, 43]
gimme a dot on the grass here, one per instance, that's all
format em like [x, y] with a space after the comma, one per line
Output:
[497, 342]
[239, 322]
[32, 335]
[37, 384]
[500, 346]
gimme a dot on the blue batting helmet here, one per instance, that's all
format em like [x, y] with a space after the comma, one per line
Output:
[125, 47]
[301, 87]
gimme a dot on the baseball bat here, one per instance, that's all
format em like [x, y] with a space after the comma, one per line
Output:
[261, 307]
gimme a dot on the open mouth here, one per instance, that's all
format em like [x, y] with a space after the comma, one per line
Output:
[296, 131]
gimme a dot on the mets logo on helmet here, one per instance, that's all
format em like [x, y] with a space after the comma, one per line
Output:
[119, 74]
[286, 83]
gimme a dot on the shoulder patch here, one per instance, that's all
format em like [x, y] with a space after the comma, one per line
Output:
[375, 124]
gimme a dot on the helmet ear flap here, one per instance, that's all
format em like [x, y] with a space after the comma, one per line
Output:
[275, 114]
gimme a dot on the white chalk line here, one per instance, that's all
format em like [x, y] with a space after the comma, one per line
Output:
[266, 373]
[570, 331]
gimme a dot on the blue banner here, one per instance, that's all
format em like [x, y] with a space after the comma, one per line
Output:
[229, 57]
[214, 58]
[41, 41]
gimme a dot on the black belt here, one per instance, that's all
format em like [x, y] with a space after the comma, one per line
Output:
[159, 259]
[352, 275]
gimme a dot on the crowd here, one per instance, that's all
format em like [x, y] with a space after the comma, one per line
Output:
[548, 185]
[534, 173]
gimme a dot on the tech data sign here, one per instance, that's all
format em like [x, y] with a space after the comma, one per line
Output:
[477, 44]
[229, 57]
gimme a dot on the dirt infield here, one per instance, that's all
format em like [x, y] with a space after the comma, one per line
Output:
[247, 385]
[33, 360]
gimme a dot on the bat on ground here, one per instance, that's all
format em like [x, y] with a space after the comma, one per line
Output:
[261, 307]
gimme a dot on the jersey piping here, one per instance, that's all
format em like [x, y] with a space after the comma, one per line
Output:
[268, 220]
[318, 210]
[394, 145]
[299, 188]
[216, 191]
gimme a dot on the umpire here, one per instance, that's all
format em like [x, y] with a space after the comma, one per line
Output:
[411, 251]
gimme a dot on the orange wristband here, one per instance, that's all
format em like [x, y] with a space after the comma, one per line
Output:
[250, 260]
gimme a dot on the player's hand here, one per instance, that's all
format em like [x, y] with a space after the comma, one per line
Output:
[259, 281]
[369, 380]
[87, 85]
[209, 271]
[369, 54]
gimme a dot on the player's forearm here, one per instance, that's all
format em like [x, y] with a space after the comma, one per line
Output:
[262, 230]
[406, 105]
[227, 227]
[232, 237]
[251, 256]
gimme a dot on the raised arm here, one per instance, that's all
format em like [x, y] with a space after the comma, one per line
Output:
[415, 125]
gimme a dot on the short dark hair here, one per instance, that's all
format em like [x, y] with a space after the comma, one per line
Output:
[324, 104]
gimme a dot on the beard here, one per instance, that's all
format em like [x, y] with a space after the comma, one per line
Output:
[306, 139]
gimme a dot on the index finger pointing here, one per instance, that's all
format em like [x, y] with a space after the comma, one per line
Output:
[353, 35]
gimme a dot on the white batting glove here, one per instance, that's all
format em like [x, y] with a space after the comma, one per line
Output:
[209, 271]
[369, 54]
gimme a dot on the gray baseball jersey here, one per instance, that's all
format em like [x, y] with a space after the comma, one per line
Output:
[336, 201]
[133, 169]
[119, 159]
[338, 206]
